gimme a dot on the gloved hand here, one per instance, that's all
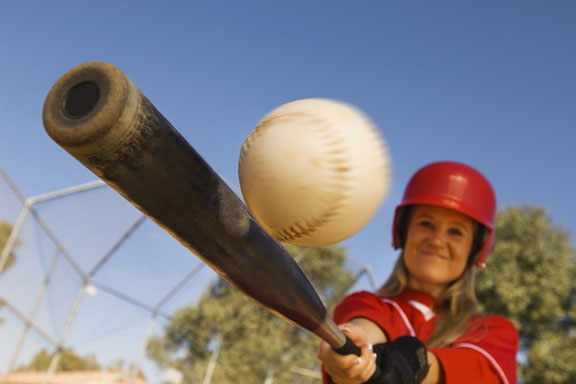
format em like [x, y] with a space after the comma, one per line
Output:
[403, 361]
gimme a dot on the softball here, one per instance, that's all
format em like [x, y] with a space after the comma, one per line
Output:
[314, 172]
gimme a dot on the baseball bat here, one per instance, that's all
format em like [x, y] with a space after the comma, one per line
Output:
[102, 119]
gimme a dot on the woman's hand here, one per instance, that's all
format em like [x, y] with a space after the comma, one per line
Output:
[349, 369]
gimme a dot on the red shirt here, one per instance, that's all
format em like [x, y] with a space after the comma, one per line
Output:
[484, 354]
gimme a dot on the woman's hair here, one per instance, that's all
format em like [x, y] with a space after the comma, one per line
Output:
[458, 303]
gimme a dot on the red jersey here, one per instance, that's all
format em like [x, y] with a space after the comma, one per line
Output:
[486, 353]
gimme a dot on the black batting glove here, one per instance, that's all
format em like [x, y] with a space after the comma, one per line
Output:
[403, 361]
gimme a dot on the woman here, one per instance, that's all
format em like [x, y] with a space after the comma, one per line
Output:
[423, 325]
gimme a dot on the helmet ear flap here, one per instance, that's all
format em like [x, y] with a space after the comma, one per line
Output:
[481, 235]
[402, 220]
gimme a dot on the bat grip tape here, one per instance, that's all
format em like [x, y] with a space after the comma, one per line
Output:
[348, 348]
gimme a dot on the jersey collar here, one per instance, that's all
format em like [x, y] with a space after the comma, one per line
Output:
[422, 301]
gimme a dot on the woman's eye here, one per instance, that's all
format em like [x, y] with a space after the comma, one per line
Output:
[456, 232]
[426, 224]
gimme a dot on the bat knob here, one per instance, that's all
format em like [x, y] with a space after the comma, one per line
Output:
[348, 348]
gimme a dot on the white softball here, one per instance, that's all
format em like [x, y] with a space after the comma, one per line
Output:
[314, 172]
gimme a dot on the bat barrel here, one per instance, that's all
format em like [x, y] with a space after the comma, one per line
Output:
[101, 118]
[90, 108]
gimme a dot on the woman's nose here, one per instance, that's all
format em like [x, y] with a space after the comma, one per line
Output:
[436, 238]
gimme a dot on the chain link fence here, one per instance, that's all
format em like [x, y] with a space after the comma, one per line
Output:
[86, 272]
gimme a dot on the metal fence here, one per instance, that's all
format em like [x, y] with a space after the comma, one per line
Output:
[94, 275]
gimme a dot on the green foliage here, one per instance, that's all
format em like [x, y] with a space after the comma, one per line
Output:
[5, 229]
[254, 343]
[551, 359]
[69, 361]
[531, 279]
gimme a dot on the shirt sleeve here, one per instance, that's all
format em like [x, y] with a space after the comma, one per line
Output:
[369, 306]
[485, 354]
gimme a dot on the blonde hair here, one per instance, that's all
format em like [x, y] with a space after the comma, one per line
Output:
[456, 306]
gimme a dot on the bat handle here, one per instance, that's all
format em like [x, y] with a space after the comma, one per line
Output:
[348, 348]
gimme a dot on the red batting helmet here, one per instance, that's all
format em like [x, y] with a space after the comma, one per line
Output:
[455, 186]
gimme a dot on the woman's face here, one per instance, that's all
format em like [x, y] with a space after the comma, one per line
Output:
[438, 244]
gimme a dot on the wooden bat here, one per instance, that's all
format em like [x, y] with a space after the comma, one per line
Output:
[103, 120]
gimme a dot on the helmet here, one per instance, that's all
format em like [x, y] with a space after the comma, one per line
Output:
[455, 186]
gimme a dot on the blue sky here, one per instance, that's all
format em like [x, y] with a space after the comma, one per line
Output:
[491, 84]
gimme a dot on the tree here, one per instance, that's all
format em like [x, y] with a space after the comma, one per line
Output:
[69, 361]
[5, 230]
[254, 344]
[117, 365]
[530, 278]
